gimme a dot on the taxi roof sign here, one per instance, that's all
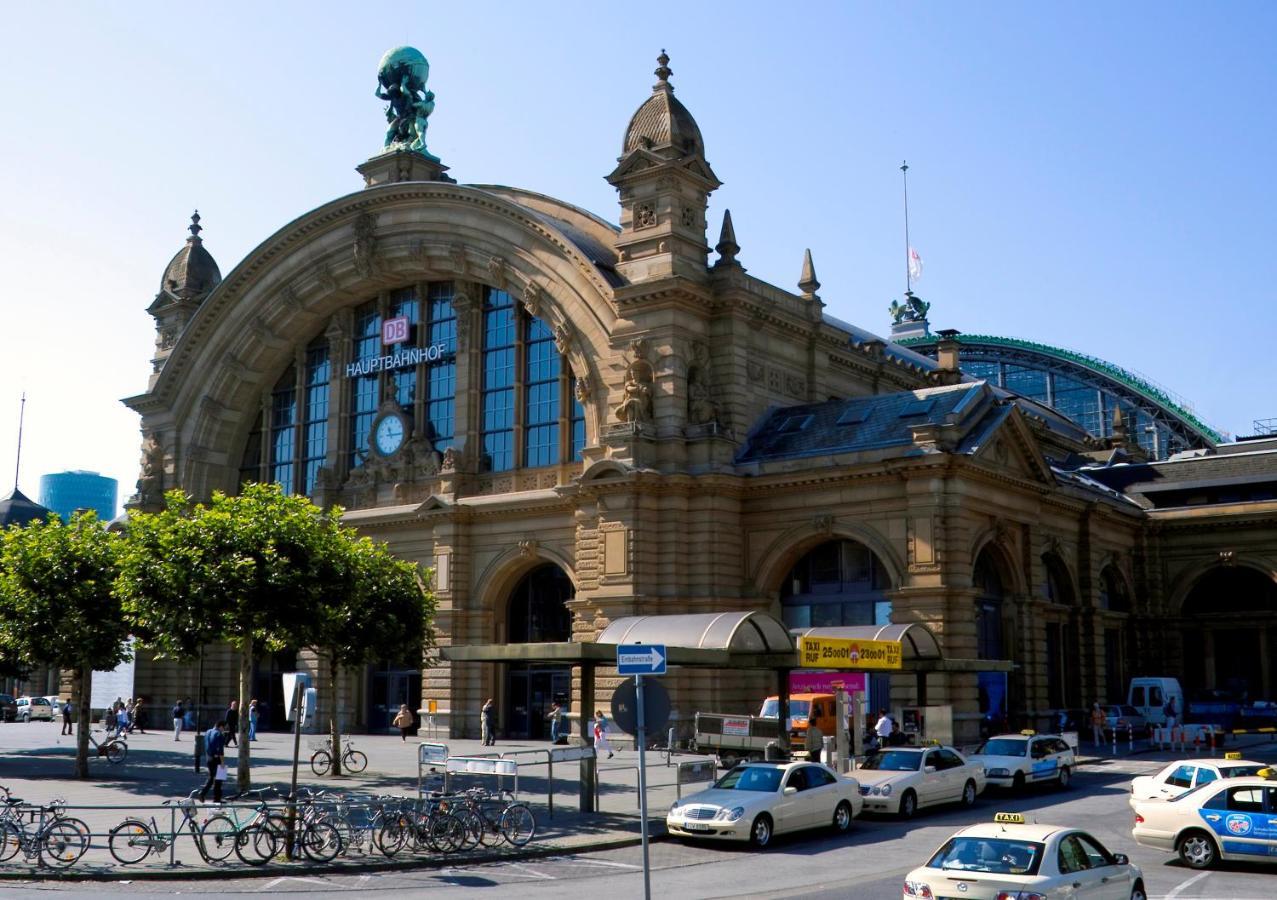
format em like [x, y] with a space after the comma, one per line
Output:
[1008, 818]
[1233, 754]
[1028, 732]
[1268, 774]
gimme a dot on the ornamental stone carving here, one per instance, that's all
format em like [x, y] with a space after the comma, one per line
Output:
[457, 254]
[528, 548]
[365, 249]
[636, 407]
[701, 408]
[150, 483]
[496, 272]
[583, 390]
[532, 300]
[562, 338]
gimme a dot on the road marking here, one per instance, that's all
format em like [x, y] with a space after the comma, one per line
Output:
[532, 873]
[581, 861]
[271, 885]
[1182, 886]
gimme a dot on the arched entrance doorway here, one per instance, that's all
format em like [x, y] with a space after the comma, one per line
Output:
[835, 584]
[1230, 632]
[990, 611]
[537, 612]
[1115, 609]
[1063, 671]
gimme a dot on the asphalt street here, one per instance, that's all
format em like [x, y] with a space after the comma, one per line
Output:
[869, 863]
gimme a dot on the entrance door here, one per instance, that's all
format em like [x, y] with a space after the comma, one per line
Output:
[390, 688]
[530, 694]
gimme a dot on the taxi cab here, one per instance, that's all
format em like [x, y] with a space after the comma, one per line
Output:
[901, 779]
[1235, 819]
[1183, 774]
[1014, 760]
[1012, 859]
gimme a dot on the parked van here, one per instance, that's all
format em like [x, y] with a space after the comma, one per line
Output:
[1150, 695]
[811, 717]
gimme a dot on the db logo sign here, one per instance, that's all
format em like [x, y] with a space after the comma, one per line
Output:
[394, 331]
[1238, 824]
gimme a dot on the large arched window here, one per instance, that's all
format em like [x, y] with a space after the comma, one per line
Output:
[838, 583]
[290, 446]
[1113, 594]
[1229, 630]
[1063, 672]
[989, 602]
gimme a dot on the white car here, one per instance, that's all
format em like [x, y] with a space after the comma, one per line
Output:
[1182, 775]
[34, 708]
[1014, 760]
[900, 779]
[755, 801]
[1234, 818]
[1009, 859]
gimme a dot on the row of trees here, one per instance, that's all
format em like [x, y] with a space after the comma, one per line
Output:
[261, 571]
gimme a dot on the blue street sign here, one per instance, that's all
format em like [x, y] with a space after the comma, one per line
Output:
[640, 659]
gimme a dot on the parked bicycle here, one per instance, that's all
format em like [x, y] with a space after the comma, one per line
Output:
[498, 817]
[321, 761]
[51, 838]
[114, 748]
[133, 840]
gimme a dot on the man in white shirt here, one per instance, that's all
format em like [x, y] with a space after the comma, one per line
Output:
[884, 727]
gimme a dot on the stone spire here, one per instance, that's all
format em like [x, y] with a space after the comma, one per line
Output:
[190, 276]
[727, 248]
[807, 282]
[1120, 434]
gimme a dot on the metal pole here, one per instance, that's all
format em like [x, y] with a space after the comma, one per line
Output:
[904, 169]
[297, 743]
[549, 779]
[642, 780]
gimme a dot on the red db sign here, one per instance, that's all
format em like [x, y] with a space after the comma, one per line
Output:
[394, 331]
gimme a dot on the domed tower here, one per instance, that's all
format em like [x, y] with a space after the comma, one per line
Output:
[664, 184]
[189, 277]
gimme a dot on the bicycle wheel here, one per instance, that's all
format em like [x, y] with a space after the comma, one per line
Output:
[518, 825]
[255, 845]
[446, 833]
[473, 824]
[217, 838]
[64, 842]
[355, 761]
[131, 841]
[391, 836]
[321, 842]
[10, 841]
[320, 762]
[116, 751]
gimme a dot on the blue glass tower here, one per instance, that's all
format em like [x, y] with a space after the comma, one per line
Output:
[66, 492]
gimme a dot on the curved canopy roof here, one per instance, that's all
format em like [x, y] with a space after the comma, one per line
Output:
[751, 632]
[917, 641]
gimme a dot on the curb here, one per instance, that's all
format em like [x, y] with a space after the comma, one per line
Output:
[182, 873]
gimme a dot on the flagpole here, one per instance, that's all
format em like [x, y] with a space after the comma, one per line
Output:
[904, 174]
[17, 465]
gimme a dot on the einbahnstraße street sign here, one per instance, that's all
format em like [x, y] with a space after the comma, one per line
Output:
[640, 659]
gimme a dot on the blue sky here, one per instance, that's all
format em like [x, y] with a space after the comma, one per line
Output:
[1093, 175]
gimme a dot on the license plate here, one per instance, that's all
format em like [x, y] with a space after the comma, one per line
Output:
[690, 826]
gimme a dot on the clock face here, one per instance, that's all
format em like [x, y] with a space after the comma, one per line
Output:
[389, 434]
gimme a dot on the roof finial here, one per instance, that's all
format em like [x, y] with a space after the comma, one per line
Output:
[195, 227]
[727, 247]
[663, 70]
[807, 282]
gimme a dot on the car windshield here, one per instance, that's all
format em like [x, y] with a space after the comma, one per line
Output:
[894, 761]
[751, 778]
[983, 854]
[1003, 747]
[797, 708]
[1240, 771]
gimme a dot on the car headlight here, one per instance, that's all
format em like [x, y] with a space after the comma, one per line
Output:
[999, 773]
[730, 815]
[886, 790]
[675, 805]
[864, 790]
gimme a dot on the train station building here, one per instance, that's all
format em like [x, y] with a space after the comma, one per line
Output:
[574, 422]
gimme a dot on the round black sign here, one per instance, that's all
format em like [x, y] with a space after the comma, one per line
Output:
[656, 706]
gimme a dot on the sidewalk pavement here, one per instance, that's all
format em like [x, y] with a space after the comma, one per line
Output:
[37, 764]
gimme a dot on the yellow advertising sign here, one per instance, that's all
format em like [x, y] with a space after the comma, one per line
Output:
[846, 653]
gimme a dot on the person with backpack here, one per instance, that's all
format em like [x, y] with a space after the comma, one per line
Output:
[179, 716]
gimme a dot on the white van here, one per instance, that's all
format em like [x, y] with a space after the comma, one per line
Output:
[1150, 695]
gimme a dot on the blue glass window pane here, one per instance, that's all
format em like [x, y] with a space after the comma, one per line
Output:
[497, 412]
[1030, 383]
[315, 434]
[363, 388]
[283, 430]
[542, 365]
[578, 424]
[441, 377]
[1079, 402]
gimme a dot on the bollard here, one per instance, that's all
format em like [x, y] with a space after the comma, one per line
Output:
[669, 747]
[1115, 740]
[1130, 738]
[827, 749]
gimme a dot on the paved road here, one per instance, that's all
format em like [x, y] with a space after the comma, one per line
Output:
[868, 863]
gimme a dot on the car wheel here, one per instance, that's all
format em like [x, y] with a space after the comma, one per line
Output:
[1137, 892]
[760, 833]
[1197, 850]
[969, 794]
[1065, 777]
[1017, 783]
[908, 805]
[842, 818]
[26, 720]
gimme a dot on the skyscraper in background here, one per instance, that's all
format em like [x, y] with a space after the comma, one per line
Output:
[66, 492]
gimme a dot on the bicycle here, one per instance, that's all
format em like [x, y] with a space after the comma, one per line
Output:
[58, 841]
[515, 822]
[115, 749]
[321, 761]
[133, 840]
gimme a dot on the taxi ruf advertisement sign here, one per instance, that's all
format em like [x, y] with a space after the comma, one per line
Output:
[847, 653]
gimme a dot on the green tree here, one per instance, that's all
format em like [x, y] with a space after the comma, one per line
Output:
[58, 605]
[379, 609]
[250, 570]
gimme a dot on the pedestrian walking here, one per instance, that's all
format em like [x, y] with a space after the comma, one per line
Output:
[179, 715]
[600, 734]
[121, 720]
[556, 722]
[488, 723]
[253, 712]
[403, 721]
[66, 717]
[1097, 723]
[232, 724]
[215, 751]
[189, 716]
[884, 727]
[136, 719]
[1172, 714]
[108, 723]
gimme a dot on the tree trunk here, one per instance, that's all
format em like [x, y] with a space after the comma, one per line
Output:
[241, 728]
[82, 681]
[334, 720]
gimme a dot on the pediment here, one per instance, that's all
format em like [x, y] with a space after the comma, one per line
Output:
[1013, 450]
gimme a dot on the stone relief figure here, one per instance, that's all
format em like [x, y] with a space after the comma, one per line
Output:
[636, 407]
[914, 309]
[401, 82]
[150, 483]
[701, 408]
[366, 244]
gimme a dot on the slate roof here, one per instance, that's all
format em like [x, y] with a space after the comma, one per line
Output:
[18, 509]
[1197, 473]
